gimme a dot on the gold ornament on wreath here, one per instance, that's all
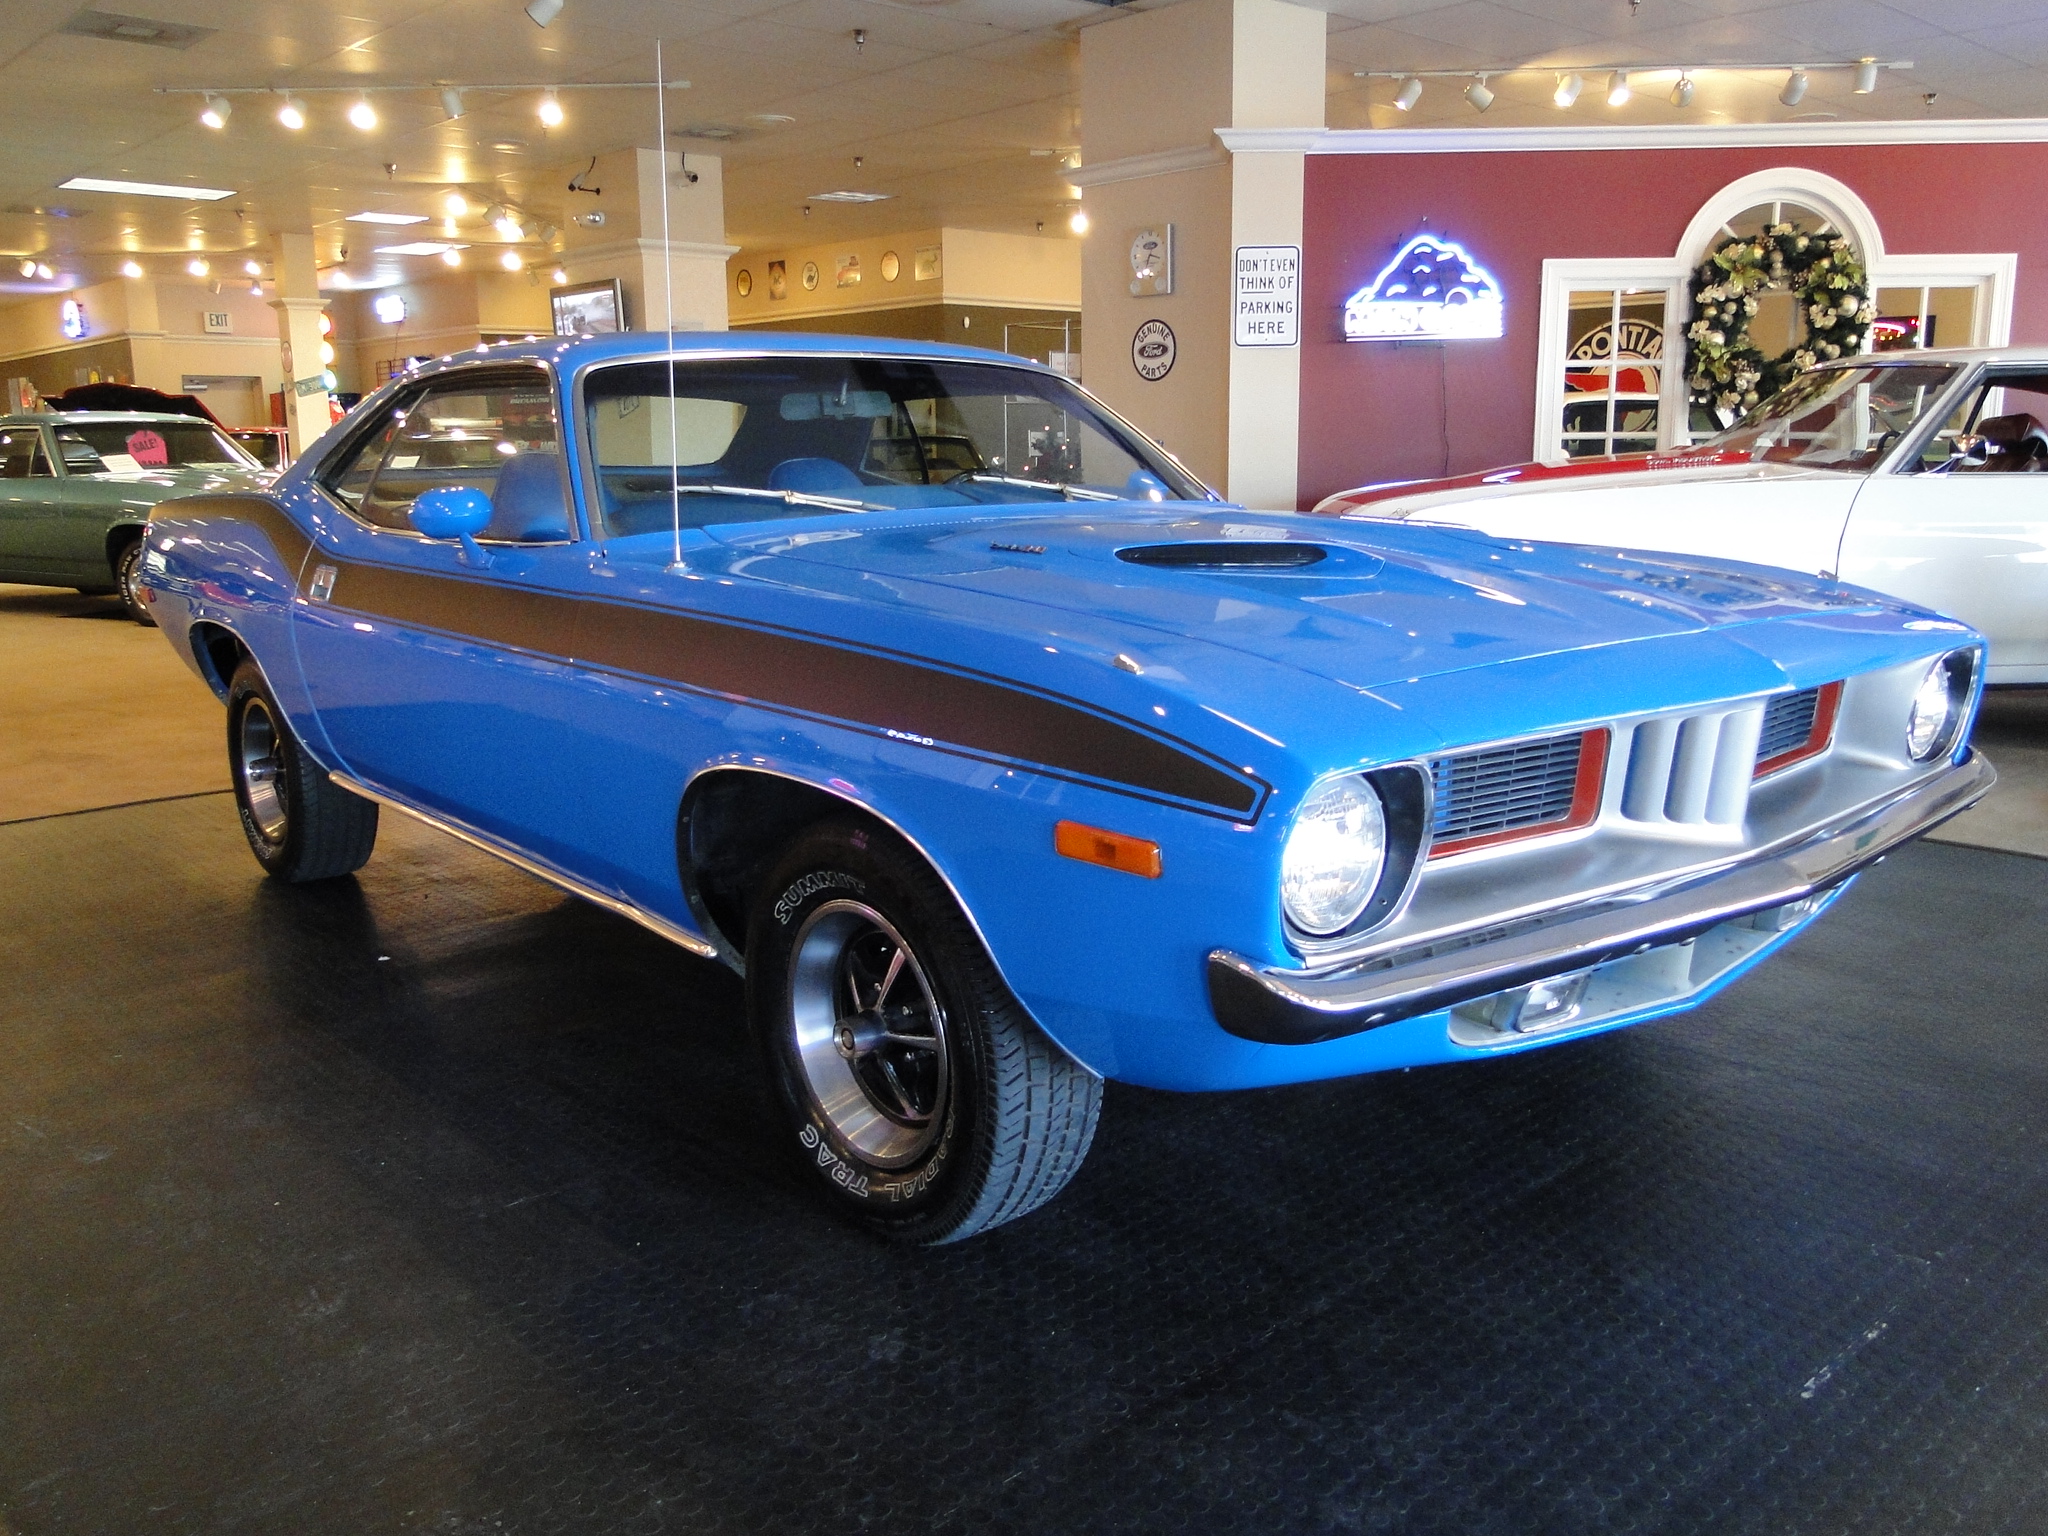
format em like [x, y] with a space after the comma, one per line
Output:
[1725, 372]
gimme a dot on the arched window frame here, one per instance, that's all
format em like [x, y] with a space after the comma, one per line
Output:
[1992, 274]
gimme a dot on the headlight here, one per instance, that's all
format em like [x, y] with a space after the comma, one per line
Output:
[1333, 856]
[1938, 706]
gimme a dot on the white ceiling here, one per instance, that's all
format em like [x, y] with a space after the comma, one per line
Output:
[944, 104]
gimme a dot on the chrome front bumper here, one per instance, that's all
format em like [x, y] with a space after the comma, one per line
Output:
[1301, 1007]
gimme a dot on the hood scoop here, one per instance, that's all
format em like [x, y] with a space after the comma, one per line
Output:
[1230, 555]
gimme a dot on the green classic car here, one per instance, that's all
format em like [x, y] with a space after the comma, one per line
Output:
[77, 488]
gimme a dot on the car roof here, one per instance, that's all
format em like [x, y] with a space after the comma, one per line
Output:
[60, 418]
[574, 352]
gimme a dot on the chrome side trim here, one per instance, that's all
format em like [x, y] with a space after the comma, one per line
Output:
[1285, 1007]
[554, 877]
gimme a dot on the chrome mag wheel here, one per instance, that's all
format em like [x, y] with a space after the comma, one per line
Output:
[869, 1036]
[260, 764]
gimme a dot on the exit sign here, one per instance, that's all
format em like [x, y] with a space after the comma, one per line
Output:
[220, 322]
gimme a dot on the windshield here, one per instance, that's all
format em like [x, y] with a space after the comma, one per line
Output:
[129, 447]
[772, 437]
[1838, 418]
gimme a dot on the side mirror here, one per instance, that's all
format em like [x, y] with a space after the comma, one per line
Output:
[454, 512]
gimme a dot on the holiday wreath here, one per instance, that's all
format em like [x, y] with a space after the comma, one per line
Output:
[1726, 371]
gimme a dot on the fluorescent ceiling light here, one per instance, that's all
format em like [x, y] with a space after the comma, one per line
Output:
[387, 218]
[418, 248]
[145, 189]
[851, 197]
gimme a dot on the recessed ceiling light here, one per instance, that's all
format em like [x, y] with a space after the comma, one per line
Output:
[387, 218]
[851, 197]
[770, 119]
[509, 146]
[417, 248]
[146, 189]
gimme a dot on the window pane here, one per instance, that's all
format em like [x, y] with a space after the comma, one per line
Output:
[1952, 317]
[1839, 418]
[795, 435]
[1897, 326]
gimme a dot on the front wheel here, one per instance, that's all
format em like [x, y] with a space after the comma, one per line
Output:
[301, 825]
[128, 582]
[923, 1100]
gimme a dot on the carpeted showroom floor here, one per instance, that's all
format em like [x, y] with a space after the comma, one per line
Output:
[436, 1201]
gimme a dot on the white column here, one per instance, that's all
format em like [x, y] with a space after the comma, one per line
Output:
[620, 233]
[1152, 158]
[298, 305]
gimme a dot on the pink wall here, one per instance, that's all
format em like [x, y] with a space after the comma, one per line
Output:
[1379, 411]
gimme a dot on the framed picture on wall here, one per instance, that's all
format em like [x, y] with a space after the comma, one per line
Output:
[778, 280]
[589, 309]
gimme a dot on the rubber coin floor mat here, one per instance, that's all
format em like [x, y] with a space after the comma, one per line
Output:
[435, 1201]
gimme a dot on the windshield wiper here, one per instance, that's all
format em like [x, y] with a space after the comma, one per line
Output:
[1067, 492]
[793, 498]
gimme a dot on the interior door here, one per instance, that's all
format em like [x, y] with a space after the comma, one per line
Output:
[1963, 527]
[437, 679]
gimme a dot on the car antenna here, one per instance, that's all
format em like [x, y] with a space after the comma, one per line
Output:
[668, 315]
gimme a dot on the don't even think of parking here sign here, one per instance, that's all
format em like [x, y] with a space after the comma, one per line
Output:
[1267, 307]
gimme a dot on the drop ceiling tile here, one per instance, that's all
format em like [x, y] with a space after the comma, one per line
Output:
[1492, 31]
[2026, 41]
[1378, 47]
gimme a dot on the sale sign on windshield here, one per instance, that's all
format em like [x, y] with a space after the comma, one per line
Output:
[149, 449]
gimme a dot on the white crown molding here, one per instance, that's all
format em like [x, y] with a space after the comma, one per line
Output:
[634, 248]
[1165, 163]
[1466, 141]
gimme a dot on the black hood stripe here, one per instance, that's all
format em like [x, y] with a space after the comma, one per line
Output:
[893, 695]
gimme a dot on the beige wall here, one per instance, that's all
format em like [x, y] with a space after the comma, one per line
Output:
[151, 333]
[446, 311]
[1230, 413]
[976, 268]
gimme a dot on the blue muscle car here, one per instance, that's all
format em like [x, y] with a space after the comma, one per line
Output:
[1002, 757]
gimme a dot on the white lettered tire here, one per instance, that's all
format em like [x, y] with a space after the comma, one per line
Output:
[920, 1097]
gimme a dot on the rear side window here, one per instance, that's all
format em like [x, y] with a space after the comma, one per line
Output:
[21, 454]
[491, 431]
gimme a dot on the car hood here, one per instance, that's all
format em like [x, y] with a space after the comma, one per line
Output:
[1438, 500]
[1377, 605]
[157, 484]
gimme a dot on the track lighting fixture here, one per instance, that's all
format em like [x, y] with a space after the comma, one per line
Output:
[1866, 77]
[46, 272]
[28, 267]
[253, 268]
[292, 114]
[216, 112]
[1568, 88]
[197, 266]
[362, 114]
[1681, 93]
[455, 205]
[451, 257]
[558, 277]
[1410, 93]
[543, 11]
[1795, 88]
[1618, 91]
[508, 226]
[131, 269]
[1479, 95]
[512, 261]
[451, 102]
[550, 110]
[1078, 223]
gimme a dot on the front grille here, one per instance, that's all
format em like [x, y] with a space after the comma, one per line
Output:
[1692, 770]
[1505, 789]
[1788, 722]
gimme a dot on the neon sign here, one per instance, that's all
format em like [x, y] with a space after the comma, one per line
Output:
[71, 319]
[1431, 289]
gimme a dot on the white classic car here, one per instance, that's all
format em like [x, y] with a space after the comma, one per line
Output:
[1921, 474]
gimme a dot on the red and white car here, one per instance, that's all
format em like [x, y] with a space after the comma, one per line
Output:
[1921, 474]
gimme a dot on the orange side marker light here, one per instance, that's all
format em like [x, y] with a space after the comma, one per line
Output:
[1112, 850]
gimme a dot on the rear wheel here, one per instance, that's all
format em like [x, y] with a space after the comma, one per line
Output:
[128, 582]
[301, 825]
[923, 1100]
